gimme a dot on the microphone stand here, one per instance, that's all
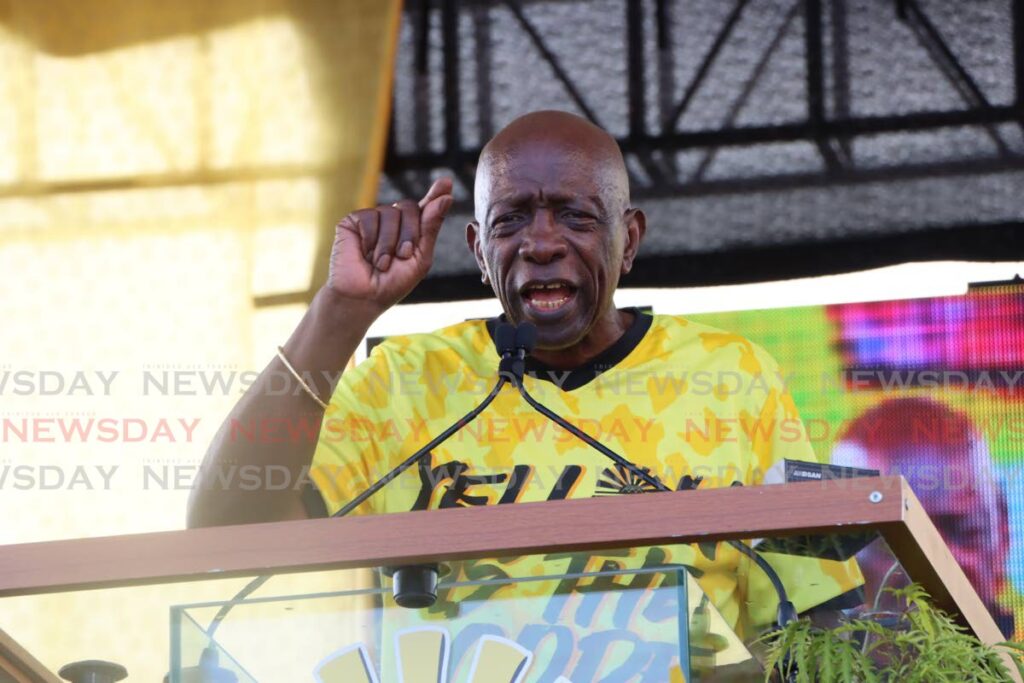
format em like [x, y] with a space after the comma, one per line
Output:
[415, 586]
[524, 342]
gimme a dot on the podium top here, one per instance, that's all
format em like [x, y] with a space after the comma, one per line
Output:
[883, 504]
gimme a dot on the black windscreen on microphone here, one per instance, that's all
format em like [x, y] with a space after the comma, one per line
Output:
[505, 339]
[526, 336]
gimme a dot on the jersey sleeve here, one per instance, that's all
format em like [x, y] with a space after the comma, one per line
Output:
[348, 455]
[780, 435]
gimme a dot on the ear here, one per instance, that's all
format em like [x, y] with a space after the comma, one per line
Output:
[474, 242]
[636, 226]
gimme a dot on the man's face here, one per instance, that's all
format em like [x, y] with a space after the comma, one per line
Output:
[552, 238]
[965, 510]
[965, 505]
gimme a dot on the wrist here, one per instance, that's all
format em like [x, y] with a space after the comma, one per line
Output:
[330, 332]
[343, 312]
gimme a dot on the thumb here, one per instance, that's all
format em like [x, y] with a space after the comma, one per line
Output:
[431, 219]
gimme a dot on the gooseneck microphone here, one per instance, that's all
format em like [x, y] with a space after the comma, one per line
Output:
[413, 586]
[505, 342]
[524, 341]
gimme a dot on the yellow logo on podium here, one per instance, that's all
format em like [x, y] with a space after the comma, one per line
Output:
[422, 656]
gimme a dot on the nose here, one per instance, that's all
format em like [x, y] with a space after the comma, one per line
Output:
[542, 240]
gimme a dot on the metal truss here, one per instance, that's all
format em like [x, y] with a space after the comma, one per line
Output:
[652, 151]
[827, 125]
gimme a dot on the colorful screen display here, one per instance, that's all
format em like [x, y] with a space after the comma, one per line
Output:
[932, 389]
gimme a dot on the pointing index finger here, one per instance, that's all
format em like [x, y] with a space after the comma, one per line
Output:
[441, 187]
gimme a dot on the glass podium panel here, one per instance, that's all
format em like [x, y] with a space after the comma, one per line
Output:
[696, 613]
[611, 624]
[683, 613]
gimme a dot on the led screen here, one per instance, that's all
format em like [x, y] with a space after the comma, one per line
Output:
[932, 389]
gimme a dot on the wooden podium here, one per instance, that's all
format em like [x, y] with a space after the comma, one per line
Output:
[17, 665]
[884, 504]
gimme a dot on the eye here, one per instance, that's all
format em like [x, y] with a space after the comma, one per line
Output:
[506, 222]
[577, 218]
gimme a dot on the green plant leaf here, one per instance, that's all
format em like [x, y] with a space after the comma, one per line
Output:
[924, 645]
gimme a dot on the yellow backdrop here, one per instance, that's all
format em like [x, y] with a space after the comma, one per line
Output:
[161, 164]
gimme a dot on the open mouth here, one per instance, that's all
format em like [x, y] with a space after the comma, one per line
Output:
[547, 296]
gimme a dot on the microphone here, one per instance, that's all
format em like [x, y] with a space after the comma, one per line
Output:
[525, 340]
[518, 341]
[415, 586]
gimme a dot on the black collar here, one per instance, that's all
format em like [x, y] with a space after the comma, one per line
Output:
[604, 361]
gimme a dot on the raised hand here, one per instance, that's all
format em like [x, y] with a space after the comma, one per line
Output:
[381, 254]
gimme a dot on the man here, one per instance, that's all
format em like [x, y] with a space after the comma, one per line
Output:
[947, 464]
[553, 233]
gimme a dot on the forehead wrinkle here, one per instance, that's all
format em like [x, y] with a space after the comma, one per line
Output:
[540, 197]
[605, 186]
[550, 140]
[556, 196]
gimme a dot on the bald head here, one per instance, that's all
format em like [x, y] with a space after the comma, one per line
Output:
[554, 231]
[558, 139]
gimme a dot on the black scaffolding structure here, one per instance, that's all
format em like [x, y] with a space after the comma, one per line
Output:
[466, 67]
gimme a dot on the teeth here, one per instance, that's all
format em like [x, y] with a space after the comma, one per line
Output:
[550, 304]
[554, 303]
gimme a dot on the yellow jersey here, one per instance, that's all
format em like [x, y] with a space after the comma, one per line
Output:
[695, 406]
